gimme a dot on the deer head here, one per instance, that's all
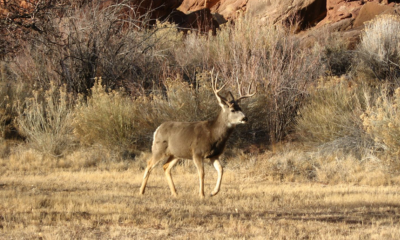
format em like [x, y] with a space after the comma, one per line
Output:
[231, 111]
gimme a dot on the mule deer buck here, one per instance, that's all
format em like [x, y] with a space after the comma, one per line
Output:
[197, 140]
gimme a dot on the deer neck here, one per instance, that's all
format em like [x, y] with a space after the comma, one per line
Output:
[220, 127]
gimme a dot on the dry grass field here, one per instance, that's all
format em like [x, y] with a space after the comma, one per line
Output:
[101, 201]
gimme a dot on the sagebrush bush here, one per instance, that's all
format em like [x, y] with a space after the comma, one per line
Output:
[331, 115]
[45, 119]
[381, 121]
[106, 117]
[379, 49]
[114, 119]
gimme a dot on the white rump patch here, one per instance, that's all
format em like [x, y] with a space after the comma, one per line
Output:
[154, 135]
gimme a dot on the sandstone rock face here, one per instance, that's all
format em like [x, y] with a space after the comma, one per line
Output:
[371, 10]
[311, 11]
[342, 14]
[346, 16]
[200, 20]
[352, 14]
[227, 8]
[308, 12]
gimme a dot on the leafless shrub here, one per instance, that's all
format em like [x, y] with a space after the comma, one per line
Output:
[336, 59]
[11, 92]
[268, 54]
[111, 42]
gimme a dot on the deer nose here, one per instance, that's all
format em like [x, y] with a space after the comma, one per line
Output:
[245, 119]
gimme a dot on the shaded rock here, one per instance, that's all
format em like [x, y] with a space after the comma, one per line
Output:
[201, 20]
[307, 12]
[154, 9]
[228, 9]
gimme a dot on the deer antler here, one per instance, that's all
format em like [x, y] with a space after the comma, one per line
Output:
[241, 96]
[216, 90]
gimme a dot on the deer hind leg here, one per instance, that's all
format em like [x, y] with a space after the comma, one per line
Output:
[167, 169]
[198, 161]
[150, 165]
[220, 171]
[146, 175]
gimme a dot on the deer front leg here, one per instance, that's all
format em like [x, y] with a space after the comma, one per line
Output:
[220, 171]
[198, 161]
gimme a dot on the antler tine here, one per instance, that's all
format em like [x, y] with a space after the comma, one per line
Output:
[248, 90]
[239, 87]
[214, 83]
[216, 90]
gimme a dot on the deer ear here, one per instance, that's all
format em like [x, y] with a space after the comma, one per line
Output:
[230, 94]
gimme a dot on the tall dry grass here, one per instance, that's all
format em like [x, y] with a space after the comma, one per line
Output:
[331, 115]
[328, 167]
[381, 122]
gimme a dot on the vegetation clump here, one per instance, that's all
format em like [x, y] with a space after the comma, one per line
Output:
[99, 80]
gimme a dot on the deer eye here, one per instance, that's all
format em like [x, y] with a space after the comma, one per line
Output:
[232, 110]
